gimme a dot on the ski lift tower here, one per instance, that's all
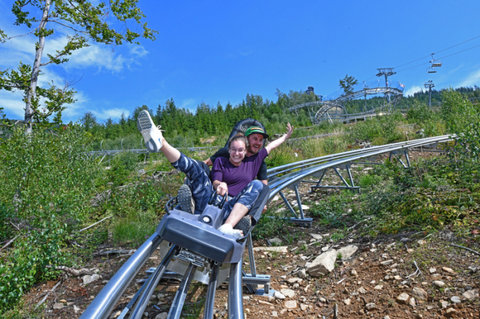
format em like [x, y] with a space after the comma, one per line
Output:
[386, 72]
[429, 85]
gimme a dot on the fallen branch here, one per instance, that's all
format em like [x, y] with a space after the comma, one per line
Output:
[96, 223]
[9, 242]
[360, 222]
[416, 272]
[115, 252]
[469, 249]
[73, 271]
[47, 294]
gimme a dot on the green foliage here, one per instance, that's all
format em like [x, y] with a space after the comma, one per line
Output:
[47, 179]
[280, 156]
[379, 130]
[347, 84]
[428, 196]
[121, 167]
[268, 227]
[463, 119]
[426, 118]
[333, 210]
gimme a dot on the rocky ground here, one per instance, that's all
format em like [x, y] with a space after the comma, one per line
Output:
[406, 276]
[409, 275]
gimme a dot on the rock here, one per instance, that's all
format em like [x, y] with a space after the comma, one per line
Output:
[279, 249]
[58, 305]
[87, 279]
[302, 273]
[403, 298]
[378, 287]
[443, 304]
[291, 304]
[362, 290]
[353, 272]
[275, 241]
[162, 315]
[76, 309]
[421, 242]
[419, 293]
[455, 299]
[412, 302]
[316, 236]
[387, 262]
[470, 294]
[303, 307]
[450, 312]
[294, 280]
[347, 251]
[347, 301]
[439, 283]
[370, 306]
[449, 270]
[323, 264]
[288, 293]
[274, 314]
[279, 295]
[432, 270]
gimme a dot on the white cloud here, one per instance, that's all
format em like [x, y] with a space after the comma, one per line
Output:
[188, 104]
[138, 50]
[97, 56]
[413, 90]
[471, 80]
[13, 104]
[77, 109]
[114, 114]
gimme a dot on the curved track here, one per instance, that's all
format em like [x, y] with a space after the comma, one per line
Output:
[281, 178]
[335, 109]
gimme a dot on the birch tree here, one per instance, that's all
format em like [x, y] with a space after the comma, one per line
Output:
[110, 22]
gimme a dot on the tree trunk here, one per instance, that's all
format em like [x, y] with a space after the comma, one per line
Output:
[31, 93]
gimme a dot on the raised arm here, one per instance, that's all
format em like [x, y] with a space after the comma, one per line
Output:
[276, 143]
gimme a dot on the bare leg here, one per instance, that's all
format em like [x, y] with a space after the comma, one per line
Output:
[170, 152]
[239, 210]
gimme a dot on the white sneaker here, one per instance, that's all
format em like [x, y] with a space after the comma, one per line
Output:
[151, 134]
[228, 229]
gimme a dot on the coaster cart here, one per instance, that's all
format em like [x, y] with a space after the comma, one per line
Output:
[194, 250]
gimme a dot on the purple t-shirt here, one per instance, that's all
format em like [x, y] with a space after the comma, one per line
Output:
[237, 177]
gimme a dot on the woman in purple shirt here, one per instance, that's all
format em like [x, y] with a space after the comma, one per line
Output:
[233, 176]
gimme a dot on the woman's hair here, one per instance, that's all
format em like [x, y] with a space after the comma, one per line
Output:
[238, 137]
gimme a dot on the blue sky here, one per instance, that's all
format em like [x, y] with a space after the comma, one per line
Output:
[219, 51]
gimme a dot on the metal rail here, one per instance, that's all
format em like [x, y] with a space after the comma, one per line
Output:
[296, 173]
[289, 175]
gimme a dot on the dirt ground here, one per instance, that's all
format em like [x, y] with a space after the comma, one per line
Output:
[409, 275]
[435, 273]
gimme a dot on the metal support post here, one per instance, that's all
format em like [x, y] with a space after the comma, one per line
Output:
[235, 296]
[289, 206]
[299, 201]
